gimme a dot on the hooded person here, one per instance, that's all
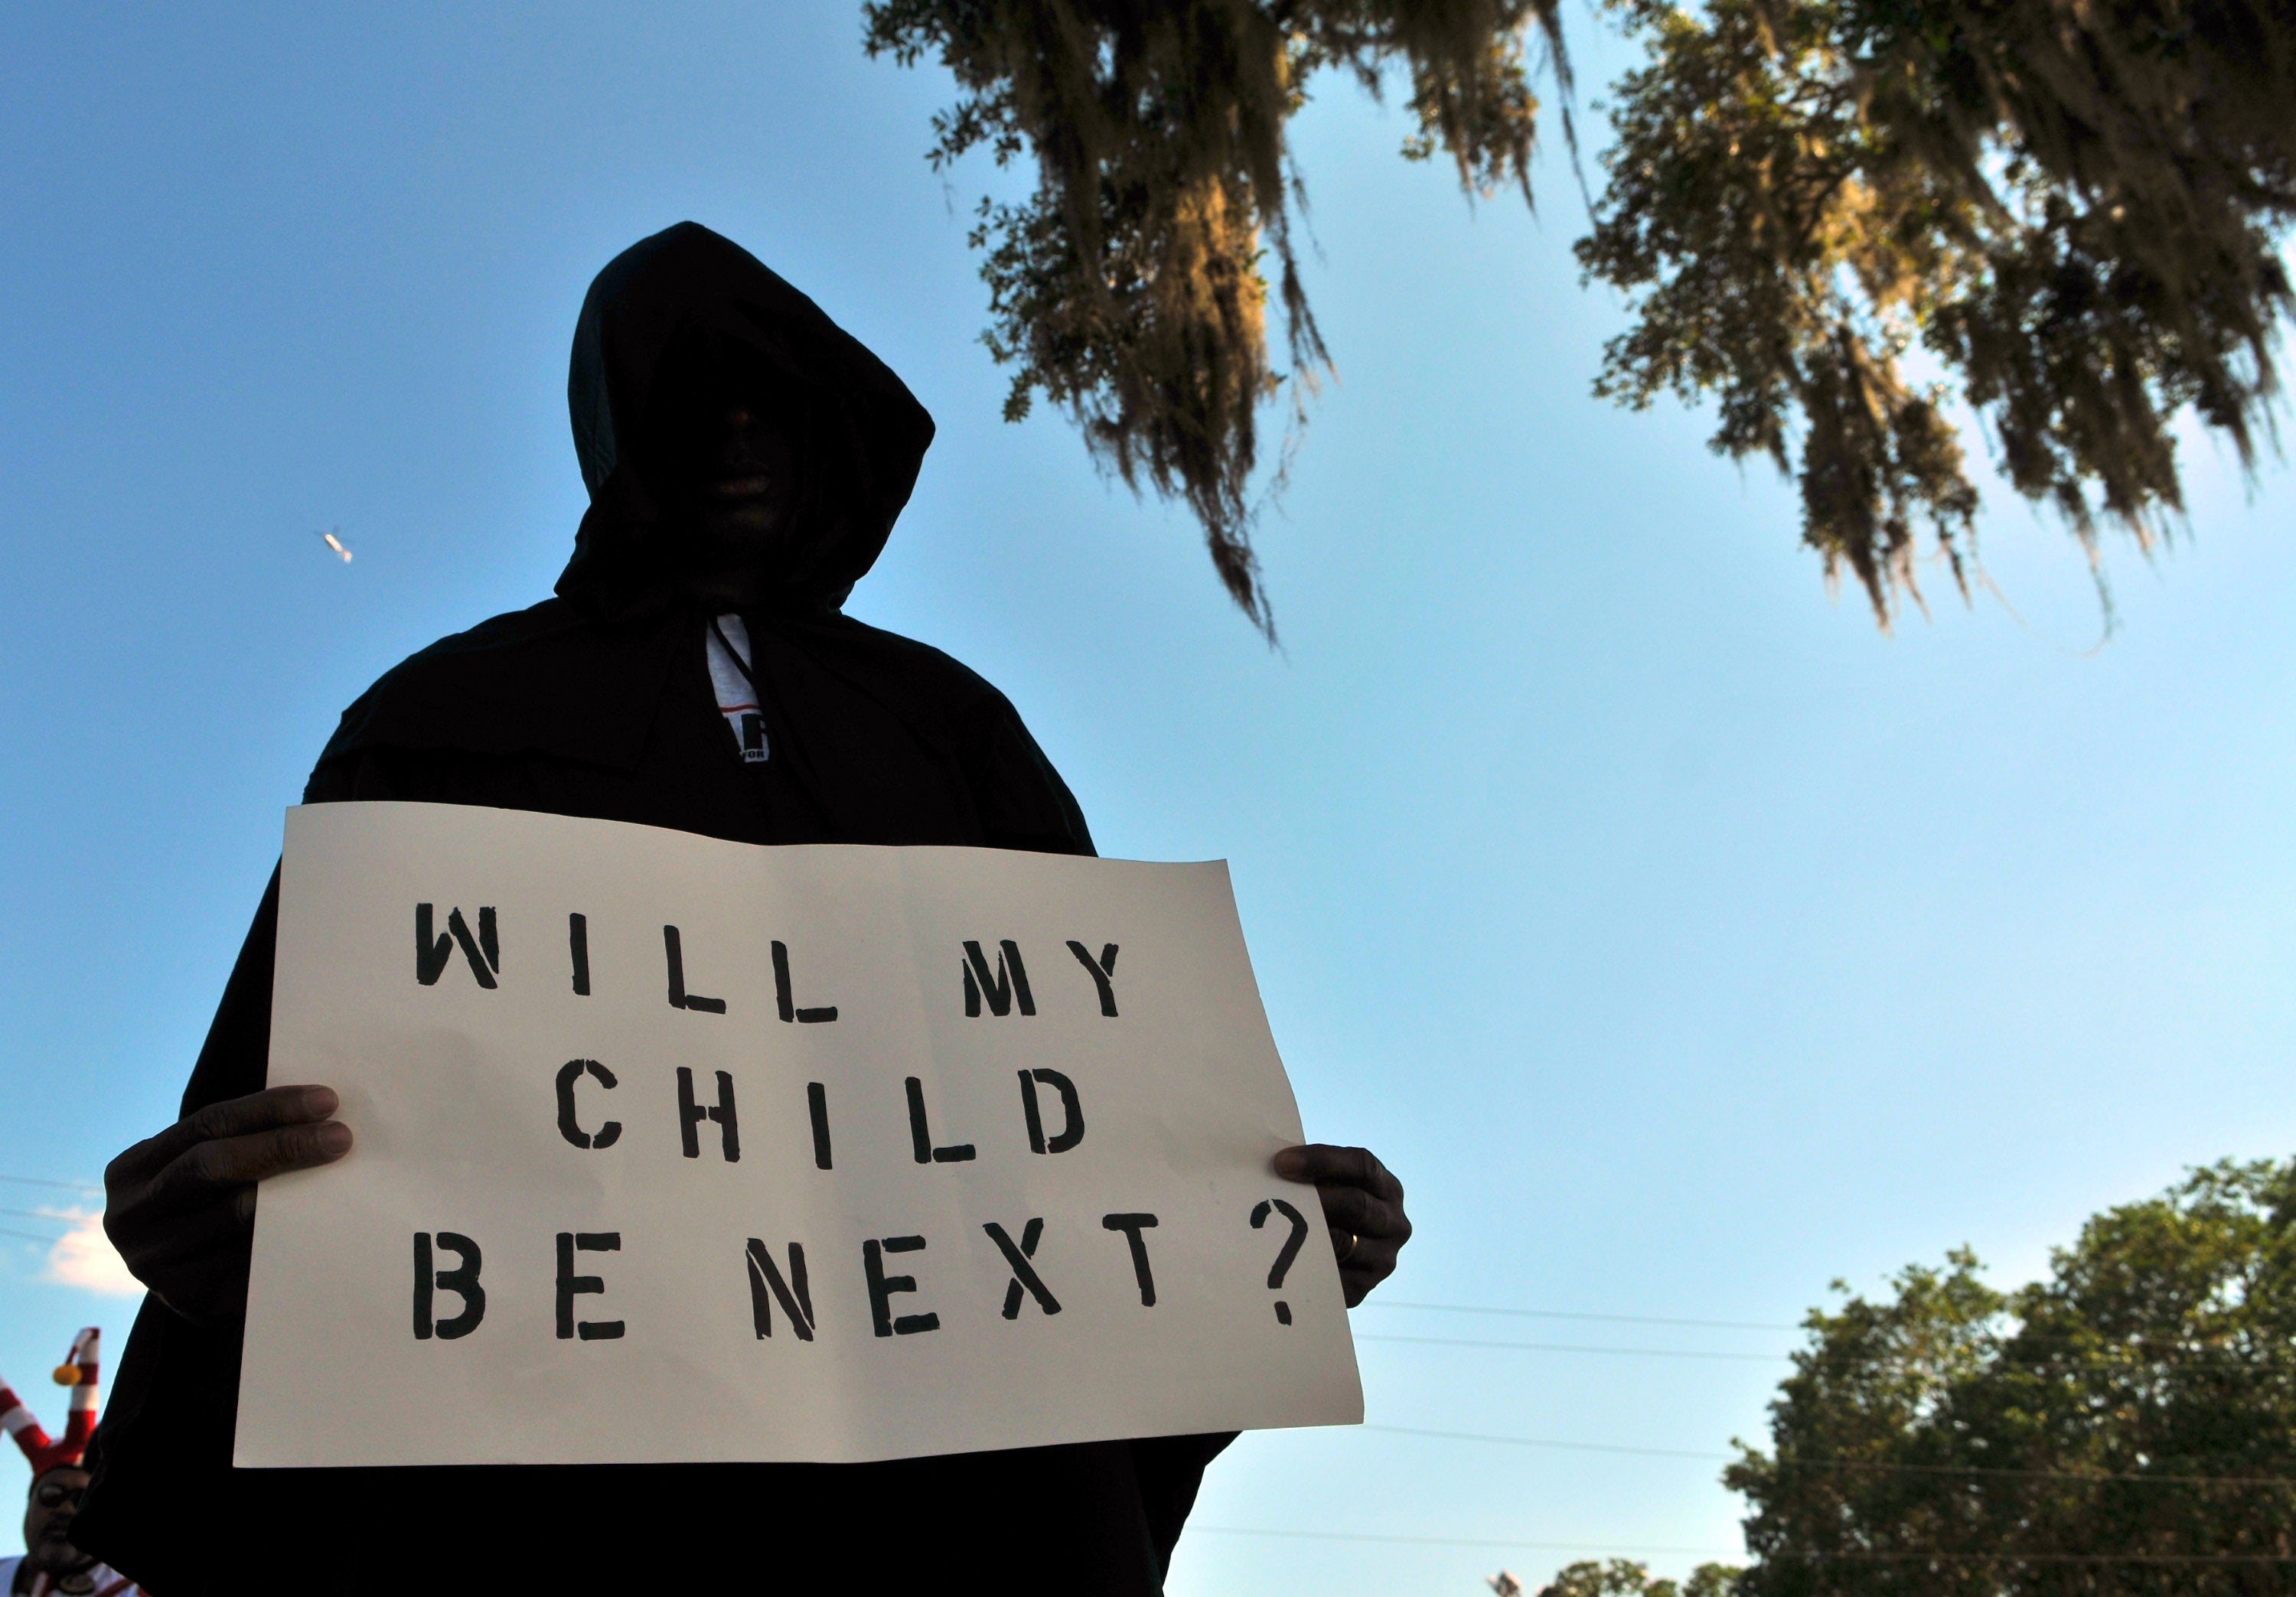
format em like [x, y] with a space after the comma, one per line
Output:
[746, 459]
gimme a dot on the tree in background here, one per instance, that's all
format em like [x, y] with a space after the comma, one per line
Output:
[2126, 1426]
[1622, 1578]
[2073, 207]
[1129, 287]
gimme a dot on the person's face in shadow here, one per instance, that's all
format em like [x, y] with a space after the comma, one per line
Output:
[741, 504]
[48, 1519]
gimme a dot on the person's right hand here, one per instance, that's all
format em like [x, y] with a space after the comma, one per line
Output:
[180, 1207]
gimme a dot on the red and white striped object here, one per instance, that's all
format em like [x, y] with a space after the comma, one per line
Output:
[77, 1371]
[101, 1581]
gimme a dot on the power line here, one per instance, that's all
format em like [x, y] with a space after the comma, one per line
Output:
[1759, 1358]
[34, 1181]
[2128, 1352]
[1923, 1556]
[2103, 1344]
[1471, 1436]
[1873, 1466]
[1940, 1556]
[1356, 1535]
[1556, 1314]
[33, 1213]
[28, 1236]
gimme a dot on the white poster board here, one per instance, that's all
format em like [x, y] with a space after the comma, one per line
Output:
[674, 1150]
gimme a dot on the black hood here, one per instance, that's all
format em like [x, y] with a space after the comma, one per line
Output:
[685, 308]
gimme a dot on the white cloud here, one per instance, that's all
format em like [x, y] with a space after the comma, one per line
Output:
[85, 1257]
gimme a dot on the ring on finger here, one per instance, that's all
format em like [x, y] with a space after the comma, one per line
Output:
[1349, 1251]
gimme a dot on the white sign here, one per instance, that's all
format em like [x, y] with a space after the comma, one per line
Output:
[674, 1150]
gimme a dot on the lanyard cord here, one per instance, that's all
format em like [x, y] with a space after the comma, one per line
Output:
[740, 664]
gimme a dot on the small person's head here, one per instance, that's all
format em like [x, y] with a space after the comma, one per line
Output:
[58, 1479]
[48, 1516]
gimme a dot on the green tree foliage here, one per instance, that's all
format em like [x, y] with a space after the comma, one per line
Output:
[1129, 289]
[1622, 1578]
[2127, 1425]
[2072, 206]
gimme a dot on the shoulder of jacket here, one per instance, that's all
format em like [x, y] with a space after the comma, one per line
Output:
[933, 674]
[1023, 800]
[546, 618]
[493, 642]
[546, 679]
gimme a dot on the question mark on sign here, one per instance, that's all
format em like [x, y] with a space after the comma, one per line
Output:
[1290, 1248]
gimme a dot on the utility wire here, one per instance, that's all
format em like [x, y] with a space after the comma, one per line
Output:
[1926, 1557]
[33, 1213]
[2141, 1353]
[1940, 1556]
[2104, 1343]
[1759, 1358]
[1862, 1465]
[1471, 1436]
[34, 1181]
[1354, 1536]
[29, 1236]
[1556, 1314]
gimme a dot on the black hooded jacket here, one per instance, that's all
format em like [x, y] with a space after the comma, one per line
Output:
[598, 703]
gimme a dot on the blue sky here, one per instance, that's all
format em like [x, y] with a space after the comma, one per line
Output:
[1684, 943]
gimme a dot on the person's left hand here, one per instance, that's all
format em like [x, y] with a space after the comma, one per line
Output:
[1363, 1205]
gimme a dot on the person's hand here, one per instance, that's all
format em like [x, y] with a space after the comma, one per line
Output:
[1363, 1205]
[180, 1207]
